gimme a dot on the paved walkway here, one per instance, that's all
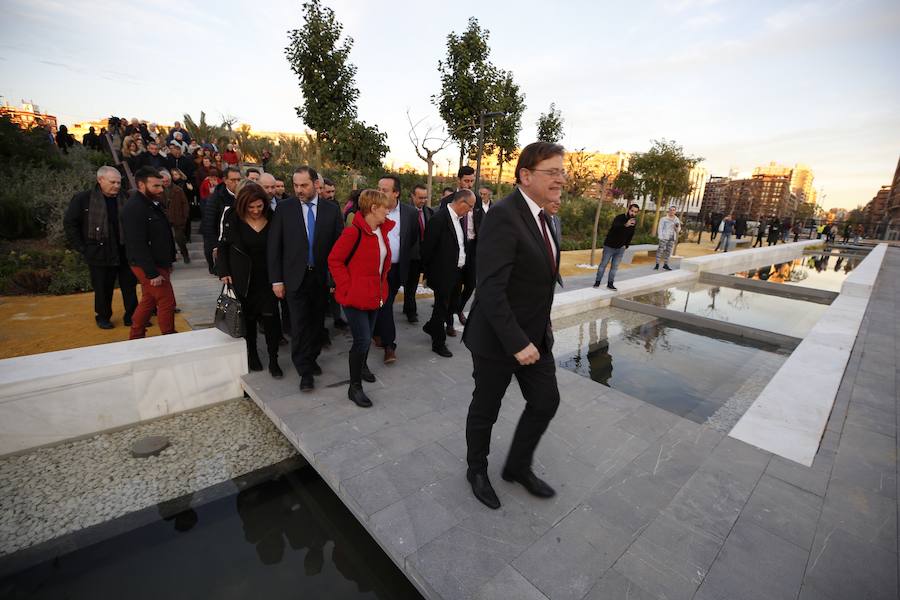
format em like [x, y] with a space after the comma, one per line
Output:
[649, 505]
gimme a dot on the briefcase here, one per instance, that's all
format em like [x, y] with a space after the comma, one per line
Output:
[229, 317]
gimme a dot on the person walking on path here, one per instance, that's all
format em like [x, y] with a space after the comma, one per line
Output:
[150, 247]
[667, 233]
[618, 238]
[443, 260]
[760, 231]
[727, 231]
[419, 200]
[774, 230]
[509, 330]
[243, 264]
[359, 263]
[93, 225]
[176, 206]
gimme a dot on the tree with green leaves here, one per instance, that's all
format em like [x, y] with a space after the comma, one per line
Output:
[320, 59]
[467, 77]
[664, 171]
[503, 136]
[550, 125]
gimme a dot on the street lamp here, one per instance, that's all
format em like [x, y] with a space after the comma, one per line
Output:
[484, 115]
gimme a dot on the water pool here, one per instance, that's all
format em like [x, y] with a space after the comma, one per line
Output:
[786, 316]
[288, 536]
[697, 374]
[820, 271]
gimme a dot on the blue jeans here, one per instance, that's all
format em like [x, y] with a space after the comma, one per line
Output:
[724, 241]
[613, 255]
[362, 325]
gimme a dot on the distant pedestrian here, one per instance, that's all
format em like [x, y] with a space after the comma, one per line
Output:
[740, 227]
[150, 247]
[618, 238]
[176, 205]
[774, 230]
[760, 231]
[727, 231]
[64, 140]
[667, 233]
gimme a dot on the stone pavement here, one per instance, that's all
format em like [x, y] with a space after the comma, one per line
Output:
[649, 505]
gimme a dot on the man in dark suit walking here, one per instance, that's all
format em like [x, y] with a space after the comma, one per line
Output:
[404, 240]
[419, 198]
[443, 259]
[301, 235]
[509, 331]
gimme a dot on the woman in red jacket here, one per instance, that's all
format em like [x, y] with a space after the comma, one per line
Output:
[359, 263]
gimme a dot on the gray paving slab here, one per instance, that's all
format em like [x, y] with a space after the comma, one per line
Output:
[649, 505]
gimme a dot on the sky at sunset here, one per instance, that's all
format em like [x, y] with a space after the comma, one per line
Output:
[738, 83]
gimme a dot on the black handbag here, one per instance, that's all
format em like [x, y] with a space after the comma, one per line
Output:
[229, 315]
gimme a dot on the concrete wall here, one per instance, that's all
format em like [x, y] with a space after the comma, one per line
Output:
[742, 260]
[56, 396]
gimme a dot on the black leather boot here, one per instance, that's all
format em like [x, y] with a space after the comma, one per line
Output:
[356, 393]
[367, 375]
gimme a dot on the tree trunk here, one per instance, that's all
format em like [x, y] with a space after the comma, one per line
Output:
[430, 162]
[643, 210]
[659, 200]
[500, 161]
[462, 153]
[594, 235]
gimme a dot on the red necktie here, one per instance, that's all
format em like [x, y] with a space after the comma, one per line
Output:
[550, 255]
[421, 225]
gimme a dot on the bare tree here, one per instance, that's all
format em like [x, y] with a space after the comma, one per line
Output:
[423, 150]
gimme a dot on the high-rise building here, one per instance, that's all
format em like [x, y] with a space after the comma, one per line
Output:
[877, 207]
[802, 183]
[762, 194]
[774, 169]
[694, 200]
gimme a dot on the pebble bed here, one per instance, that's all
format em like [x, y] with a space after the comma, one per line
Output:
[60, 489]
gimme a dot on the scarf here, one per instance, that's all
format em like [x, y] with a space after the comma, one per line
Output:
[98, 219]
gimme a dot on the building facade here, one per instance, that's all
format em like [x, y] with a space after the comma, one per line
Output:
[763, 194]
[893, 202]
[28, 115]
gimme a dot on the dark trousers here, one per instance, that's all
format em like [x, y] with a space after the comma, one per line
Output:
[181, 242]
[444, 301]
[385, 328]
[103, 280]
[758, 242]
[467, 283]
[362, 326]
[307, 306]
[209, 242]
[271, 325]
[410, 286]
[492, 377]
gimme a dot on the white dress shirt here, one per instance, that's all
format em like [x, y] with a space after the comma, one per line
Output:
[536, 211]
[394, 234]
[457, 228]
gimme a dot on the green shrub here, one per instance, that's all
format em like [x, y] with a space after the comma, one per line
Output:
[41, 271]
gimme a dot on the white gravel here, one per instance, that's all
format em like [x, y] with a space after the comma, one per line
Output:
[60, 489]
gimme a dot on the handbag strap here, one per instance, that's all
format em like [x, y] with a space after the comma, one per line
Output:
[227, 290]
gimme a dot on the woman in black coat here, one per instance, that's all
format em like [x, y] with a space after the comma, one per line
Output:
[242, 264]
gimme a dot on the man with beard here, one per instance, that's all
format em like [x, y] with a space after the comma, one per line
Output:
[150, 248]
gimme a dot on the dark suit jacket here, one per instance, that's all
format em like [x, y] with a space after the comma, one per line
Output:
[409, 238]
[427, 213]
[514, 290]
[478, 214]
[288, 245]
[440, 252]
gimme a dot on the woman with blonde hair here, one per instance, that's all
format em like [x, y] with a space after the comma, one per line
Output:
[359, 263]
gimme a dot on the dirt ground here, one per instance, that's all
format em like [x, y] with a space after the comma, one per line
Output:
[35, 324]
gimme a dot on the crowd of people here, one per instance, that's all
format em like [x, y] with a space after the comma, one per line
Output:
[294, 260]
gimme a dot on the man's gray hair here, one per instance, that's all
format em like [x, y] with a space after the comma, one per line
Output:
[106, 171]
[164, 173]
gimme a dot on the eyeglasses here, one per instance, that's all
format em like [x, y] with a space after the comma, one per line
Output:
[554, 173]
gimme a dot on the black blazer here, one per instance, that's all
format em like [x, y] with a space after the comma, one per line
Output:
[409, 238]
[440, 252]
[478, 215]
[288, 245]
[234, 257]
[514, 290]
[427, 213]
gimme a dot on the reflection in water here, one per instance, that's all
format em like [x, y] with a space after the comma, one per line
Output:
[286, 537]
[810, 271]
[688, 371]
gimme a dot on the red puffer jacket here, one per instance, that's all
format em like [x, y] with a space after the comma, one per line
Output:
[357, 284]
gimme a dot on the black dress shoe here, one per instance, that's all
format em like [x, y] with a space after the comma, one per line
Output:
[531, 482]
[126, 321]
[442, 351]
[104, 324]
[316, 370]
[253, 362]
[412, 318]
[483, 490]
[275, 370]
[307, 384]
